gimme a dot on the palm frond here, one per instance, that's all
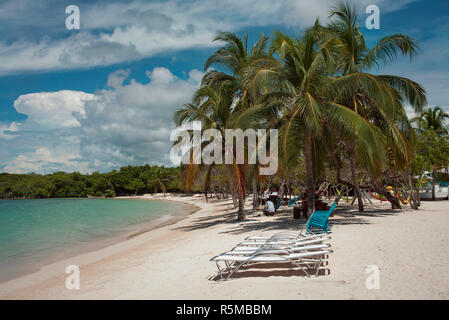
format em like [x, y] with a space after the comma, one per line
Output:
[388, 49]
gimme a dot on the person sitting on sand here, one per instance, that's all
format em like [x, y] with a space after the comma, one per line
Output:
[269, 208]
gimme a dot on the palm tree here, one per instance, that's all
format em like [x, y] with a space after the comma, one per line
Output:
[215, 109]
[234, 57]
[299, 86]
[375, 97]
[158, 180]
[432, 118]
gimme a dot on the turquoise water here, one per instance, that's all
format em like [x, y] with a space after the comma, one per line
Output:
[38, 232]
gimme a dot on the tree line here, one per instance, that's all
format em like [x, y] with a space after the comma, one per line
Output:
[130, 180]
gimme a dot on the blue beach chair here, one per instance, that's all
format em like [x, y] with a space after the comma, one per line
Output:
[319, 219]
[293, 201]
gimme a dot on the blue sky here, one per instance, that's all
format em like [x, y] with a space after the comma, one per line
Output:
[103, 96]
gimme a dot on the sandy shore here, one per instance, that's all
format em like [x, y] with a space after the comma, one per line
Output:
[411, 249]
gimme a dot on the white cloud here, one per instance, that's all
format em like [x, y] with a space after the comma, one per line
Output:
[52, 110]
[120, 125]
[78, 51]
[131, 124]
[44, 160]
[7, 130]
[117, 32]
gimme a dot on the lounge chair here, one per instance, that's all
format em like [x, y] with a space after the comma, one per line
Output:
[319, 220]
[279, 241]
[305, 260]
[291, 235]
[293, 201]
[285, 235]
[277, 248]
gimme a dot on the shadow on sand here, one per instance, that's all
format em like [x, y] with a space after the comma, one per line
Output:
[264, 270]
[282, 221]
[256, 221]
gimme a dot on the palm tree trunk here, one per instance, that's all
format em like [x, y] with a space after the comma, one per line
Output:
[395, 204]
[433, 184]
[233, 187]
[413, 203]
[356, 181]
[241, 194]
[281, 189]
[241, 214]
[255, 190]
[234, 197]
[309, 173]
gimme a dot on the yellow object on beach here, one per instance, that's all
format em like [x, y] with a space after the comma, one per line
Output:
[399, 196]
[402, 200]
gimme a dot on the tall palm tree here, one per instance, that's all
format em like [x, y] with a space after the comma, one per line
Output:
[233, 58]
[375, 97]
[433, 118]
[299, 86]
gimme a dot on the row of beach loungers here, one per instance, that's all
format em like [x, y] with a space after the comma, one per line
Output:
[306, 250]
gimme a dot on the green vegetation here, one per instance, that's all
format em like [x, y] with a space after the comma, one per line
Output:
[432, 147]
[128, 180]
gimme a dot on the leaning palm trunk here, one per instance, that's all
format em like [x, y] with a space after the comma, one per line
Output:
[309, 172]
[241, 195]
[234, 196]
[255, 190]
[395, 204]
[356, 182]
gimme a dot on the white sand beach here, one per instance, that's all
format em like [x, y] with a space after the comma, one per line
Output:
[411, 249]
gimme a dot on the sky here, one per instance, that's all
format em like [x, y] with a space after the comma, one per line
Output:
[103, 96]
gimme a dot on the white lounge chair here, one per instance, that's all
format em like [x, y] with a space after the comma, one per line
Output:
[285, 241]
[305, 260]
[288, 235]
[272, 249]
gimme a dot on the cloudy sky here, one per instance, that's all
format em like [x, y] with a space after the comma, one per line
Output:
[103, 96]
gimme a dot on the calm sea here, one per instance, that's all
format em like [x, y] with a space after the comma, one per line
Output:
[38, 232]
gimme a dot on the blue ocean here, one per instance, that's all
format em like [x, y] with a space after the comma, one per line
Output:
[37, 232]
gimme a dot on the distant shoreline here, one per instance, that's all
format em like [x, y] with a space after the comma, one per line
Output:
[136, 197]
